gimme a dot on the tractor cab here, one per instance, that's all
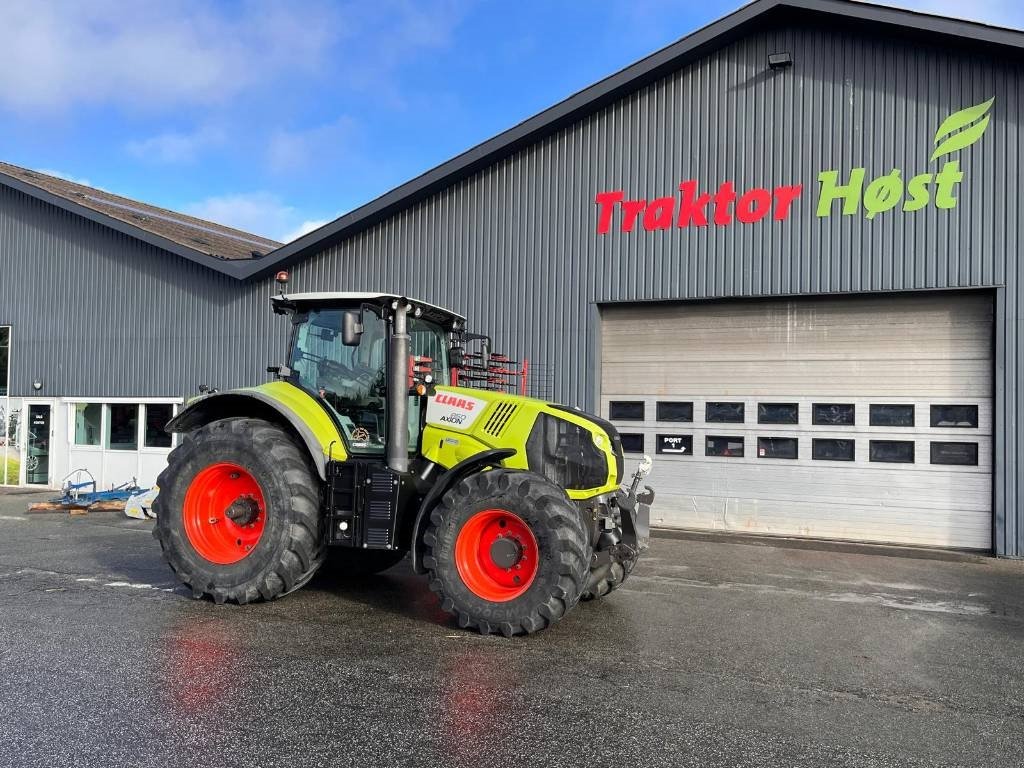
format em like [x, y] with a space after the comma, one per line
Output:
[339, 353]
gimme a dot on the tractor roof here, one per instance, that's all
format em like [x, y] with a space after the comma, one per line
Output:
[302, 301]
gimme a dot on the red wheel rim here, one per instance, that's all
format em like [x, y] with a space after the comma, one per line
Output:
[224, 513]
[497, 555]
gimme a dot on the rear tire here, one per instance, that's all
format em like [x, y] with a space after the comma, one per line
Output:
[251, 469]
[511, 514]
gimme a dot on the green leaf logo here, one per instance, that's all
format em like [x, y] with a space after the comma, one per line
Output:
[950, 138]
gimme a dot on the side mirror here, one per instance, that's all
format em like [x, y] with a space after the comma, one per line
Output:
[456, 358]
[351, 328]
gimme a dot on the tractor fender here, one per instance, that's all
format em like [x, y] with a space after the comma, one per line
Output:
[448, 480]
[252, 404]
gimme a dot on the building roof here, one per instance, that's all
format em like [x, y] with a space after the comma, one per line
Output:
[197, 239]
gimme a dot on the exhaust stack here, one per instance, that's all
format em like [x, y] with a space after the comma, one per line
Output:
[398, 388]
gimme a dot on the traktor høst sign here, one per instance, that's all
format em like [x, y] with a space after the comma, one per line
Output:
[854, 193]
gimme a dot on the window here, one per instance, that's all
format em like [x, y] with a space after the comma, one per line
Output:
[123, 427]
[777, 448]
[724, 413]
[965, 454]
[5, 358]
[681, 444]
[626, 410]
[827, 449]
[157, 416]
[954, 416]
[834, 414]
[891, 416]
[715, 445]
[892, 451]
[632, 442]
[778, 413]
[669, 411]
[88, 418]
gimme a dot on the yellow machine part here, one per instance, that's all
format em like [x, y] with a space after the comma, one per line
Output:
[462, 422]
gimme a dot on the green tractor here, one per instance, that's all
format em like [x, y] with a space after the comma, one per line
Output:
[511, 506]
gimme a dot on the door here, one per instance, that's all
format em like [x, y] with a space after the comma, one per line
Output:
[861, 418]
[37, 444]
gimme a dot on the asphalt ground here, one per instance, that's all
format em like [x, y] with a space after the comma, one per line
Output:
[713, 654]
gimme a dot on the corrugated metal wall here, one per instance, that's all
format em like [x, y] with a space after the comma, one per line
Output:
[515, 247]
[96, 313]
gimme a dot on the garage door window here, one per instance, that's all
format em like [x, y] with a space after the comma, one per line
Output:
[626, 410]
[157, 416]
[827, 449]
[891, 416]
[632, 442]
[675, 411]
[88, 417]
[723, 413]
[965, 454]
[777, 448]
[954, 416]
[716, 445]
[834, 414]
[892, 451]
[123, 427]
[778, 413]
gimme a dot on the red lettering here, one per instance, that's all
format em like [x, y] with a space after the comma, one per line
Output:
[691, 208]
[455, 402]
[607, 202]
[631, 212]
[753, 205]
[659, 214]
[725, 197]
[784, 197]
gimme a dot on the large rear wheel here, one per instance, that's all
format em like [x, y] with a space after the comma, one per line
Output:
[238, 514]
[507, 552]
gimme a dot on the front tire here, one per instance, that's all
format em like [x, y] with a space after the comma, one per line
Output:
[238, 514]
[507, 552]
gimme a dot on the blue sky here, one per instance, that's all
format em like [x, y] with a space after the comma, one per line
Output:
[276, 117]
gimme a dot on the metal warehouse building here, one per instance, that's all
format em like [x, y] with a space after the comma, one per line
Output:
[782, 255]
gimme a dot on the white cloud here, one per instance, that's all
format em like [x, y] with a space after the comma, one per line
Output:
[151, 54]
[303, 229]
[174, 147]
[294, 150]
[260, 213]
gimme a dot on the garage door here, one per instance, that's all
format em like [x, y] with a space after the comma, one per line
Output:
[850, 418]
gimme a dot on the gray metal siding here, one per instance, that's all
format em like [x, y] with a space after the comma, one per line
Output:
[96, 313]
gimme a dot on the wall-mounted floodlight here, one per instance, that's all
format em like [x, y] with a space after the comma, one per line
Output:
[780, 60]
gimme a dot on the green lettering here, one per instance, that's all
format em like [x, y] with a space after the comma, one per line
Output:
[883, 193]
[945, 180]
[850, 192]
[917, 192]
